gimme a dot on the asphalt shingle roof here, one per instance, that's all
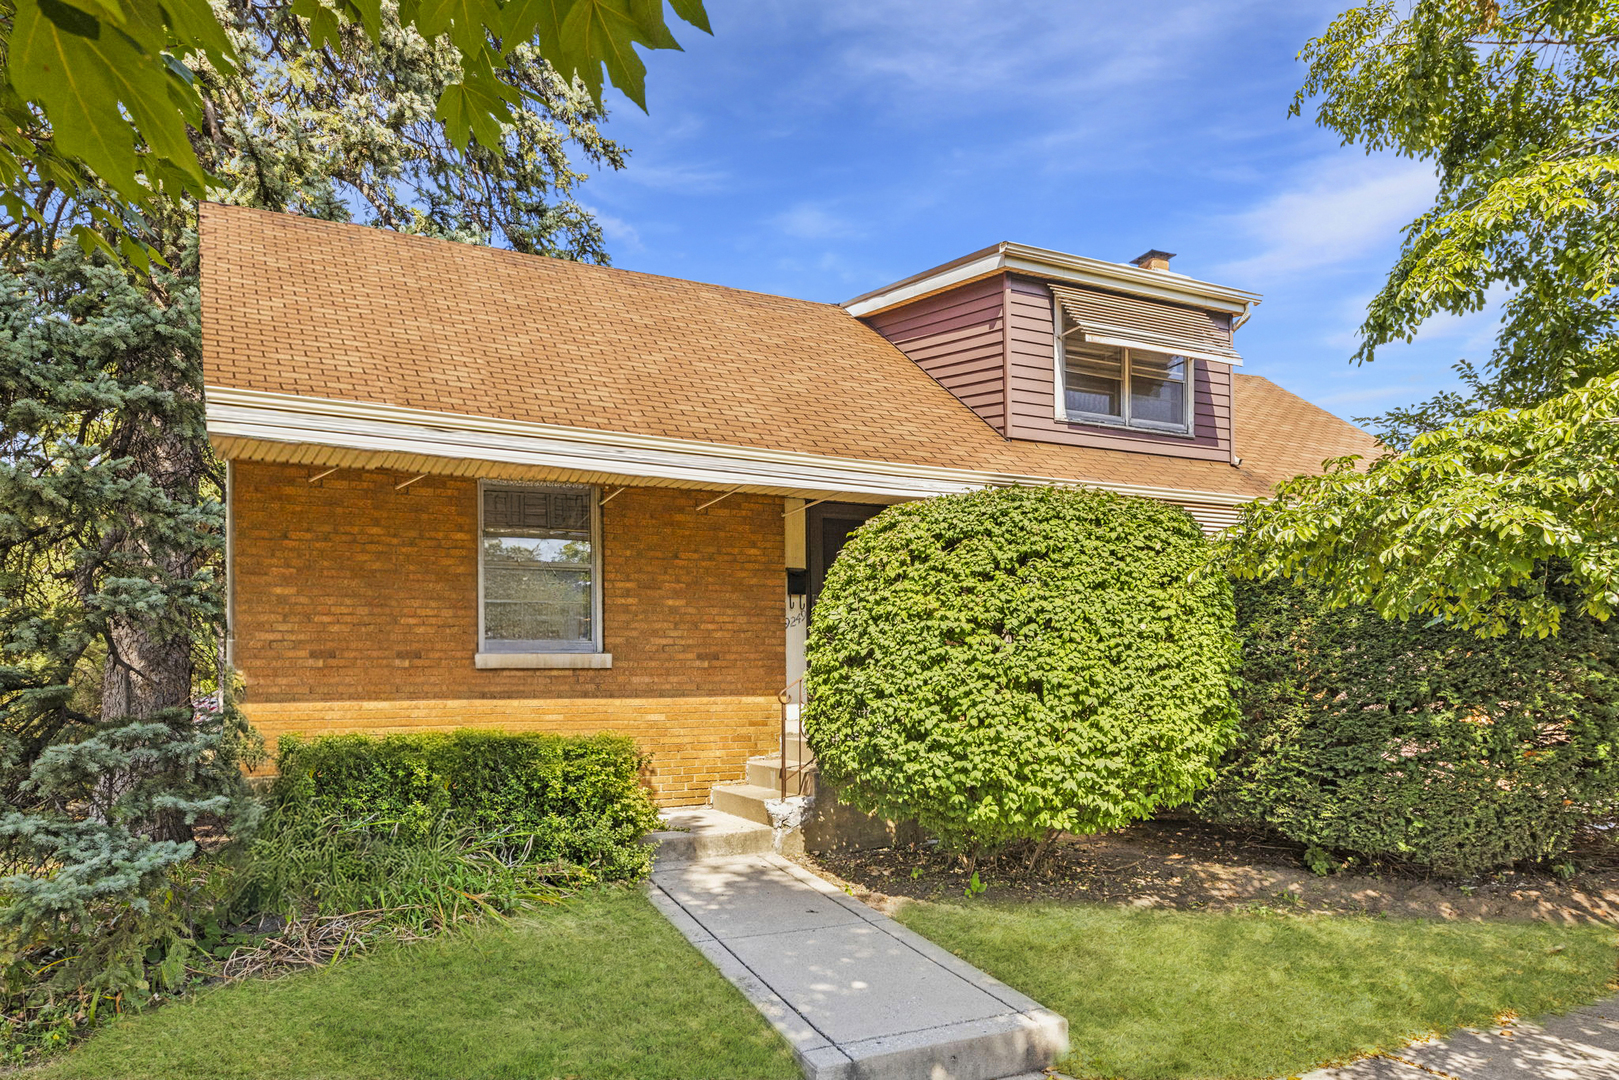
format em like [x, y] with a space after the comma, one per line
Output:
[297, 306]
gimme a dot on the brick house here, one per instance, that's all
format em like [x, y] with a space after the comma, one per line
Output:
[470, 487]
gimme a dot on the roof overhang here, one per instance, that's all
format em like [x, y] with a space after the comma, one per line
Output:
[1060, 267]
[262, 426]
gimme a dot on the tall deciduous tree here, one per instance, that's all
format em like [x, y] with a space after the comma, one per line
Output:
[1517, 105]
[108, 93]
[110, 522]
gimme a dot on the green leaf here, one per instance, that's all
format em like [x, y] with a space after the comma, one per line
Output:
[477, 105]
[71, 20]
[525, 20]
[47, 67]
[90, 239]
[195, 26]
[605, 32]
[463, 20]
[324, 28]
[648, 15]
[135, 253]
[80, 81]
[692, 12]
[368, 13]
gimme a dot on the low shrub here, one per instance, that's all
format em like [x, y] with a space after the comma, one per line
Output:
[573, 801]
[1002, 664]
[1418, 742]
[364, 840]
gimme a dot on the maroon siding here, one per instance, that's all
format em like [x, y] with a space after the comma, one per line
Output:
[957, 336]
[1034, 391]
[960, 338]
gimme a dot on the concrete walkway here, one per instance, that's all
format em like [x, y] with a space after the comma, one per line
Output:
[858, 996]
[1584, 1045]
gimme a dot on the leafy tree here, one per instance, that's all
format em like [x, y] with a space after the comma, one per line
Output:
[1508, 519]
[1008, 664]
[1516, 105]
[110, 520]
[112, 93]
[347, 130]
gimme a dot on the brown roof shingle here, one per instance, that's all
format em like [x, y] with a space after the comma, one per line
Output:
[297, 306]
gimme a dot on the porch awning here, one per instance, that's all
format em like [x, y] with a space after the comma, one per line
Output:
[1108, 319]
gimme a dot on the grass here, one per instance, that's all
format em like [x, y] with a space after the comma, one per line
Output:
[1165, 995]
[599, 986]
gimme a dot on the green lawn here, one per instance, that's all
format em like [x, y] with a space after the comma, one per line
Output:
[601, 987]
[1163, 995]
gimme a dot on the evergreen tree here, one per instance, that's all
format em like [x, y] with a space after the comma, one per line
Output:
[110, 519]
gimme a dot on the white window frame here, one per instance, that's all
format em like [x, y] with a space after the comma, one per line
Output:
[554, 655]
[1124, 420]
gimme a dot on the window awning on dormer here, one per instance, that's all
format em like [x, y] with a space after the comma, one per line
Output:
[1108, 319]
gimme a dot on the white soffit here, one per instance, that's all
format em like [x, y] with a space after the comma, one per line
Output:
[1060, 267]
[253, 416]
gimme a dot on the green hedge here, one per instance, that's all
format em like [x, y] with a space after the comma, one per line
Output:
[1419, 742]
[1003, 663]
[573, 800]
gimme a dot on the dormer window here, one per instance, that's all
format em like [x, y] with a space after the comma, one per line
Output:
[1127, 362]
[1127, 387]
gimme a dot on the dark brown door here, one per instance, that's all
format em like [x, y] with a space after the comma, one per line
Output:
[828, 529]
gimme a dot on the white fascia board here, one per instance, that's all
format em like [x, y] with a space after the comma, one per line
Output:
[357, 425]
[1057, 266]
[911, 289]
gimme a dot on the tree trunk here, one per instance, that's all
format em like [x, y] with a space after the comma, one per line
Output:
[150, 667]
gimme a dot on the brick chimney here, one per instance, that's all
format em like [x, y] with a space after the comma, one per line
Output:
[1154, 260]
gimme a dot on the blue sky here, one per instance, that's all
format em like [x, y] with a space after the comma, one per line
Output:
[821, 148]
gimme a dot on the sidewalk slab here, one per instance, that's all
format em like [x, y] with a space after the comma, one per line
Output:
[1581, 1045]
[858, 996]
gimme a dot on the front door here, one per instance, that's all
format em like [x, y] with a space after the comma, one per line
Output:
[828, 528]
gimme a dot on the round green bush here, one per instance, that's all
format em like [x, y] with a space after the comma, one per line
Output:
[1416, 742]
[1004, 663]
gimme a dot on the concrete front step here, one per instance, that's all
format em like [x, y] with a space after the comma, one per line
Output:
[798, 750]
[694, 833]
[765, 771]
[745, 800]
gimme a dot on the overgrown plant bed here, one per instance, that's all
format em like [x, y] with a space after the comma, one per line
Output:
[1183, 863]
[364, 843]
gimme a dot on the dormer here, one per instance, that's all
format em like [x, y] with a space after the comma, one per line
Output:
[1064, 349]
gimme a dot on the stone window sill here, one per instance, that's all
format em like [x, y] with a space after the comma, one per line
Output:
[489, 661]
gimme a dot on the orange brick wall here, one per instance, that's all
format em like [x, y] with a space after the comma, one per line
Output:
[356, 610]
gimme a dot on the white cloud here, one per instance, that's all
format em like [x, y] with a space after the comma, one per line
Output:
[1334, 212]
[616, 229]
[965, 49]
[1366, 395]
[677, 177]
[812, 221]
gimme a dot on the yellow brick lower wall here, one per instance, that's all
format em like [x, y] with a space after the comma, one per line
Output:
[694, 742]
